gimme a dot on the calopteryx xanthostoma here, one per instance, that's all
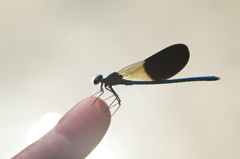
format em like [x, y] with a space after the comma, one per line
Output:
[156, 69]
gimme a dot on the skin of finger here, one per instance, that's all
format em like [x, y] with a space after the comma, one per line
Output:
[75, 135]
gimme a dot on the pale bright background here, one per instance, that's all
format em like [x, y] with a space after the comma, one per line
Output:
[51, 50]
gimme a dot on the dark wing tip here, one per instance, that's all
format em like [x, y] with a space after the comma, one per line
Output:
[167, 62]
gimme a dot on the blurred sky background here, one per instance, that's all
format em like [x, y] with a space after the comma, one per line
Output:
[50, 51]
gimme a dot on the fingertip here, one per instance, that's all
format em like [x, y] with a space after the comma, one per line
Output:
[92, 107]
[78, 132]
[86, 124]
[99, 105]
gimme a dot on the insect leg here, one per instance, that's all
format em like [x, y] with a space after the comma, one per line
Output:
[101, 92]
[117, 98]
[109, 97]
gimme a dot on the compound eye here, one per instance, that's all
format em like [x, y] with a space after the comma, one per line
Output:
[95, 81]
